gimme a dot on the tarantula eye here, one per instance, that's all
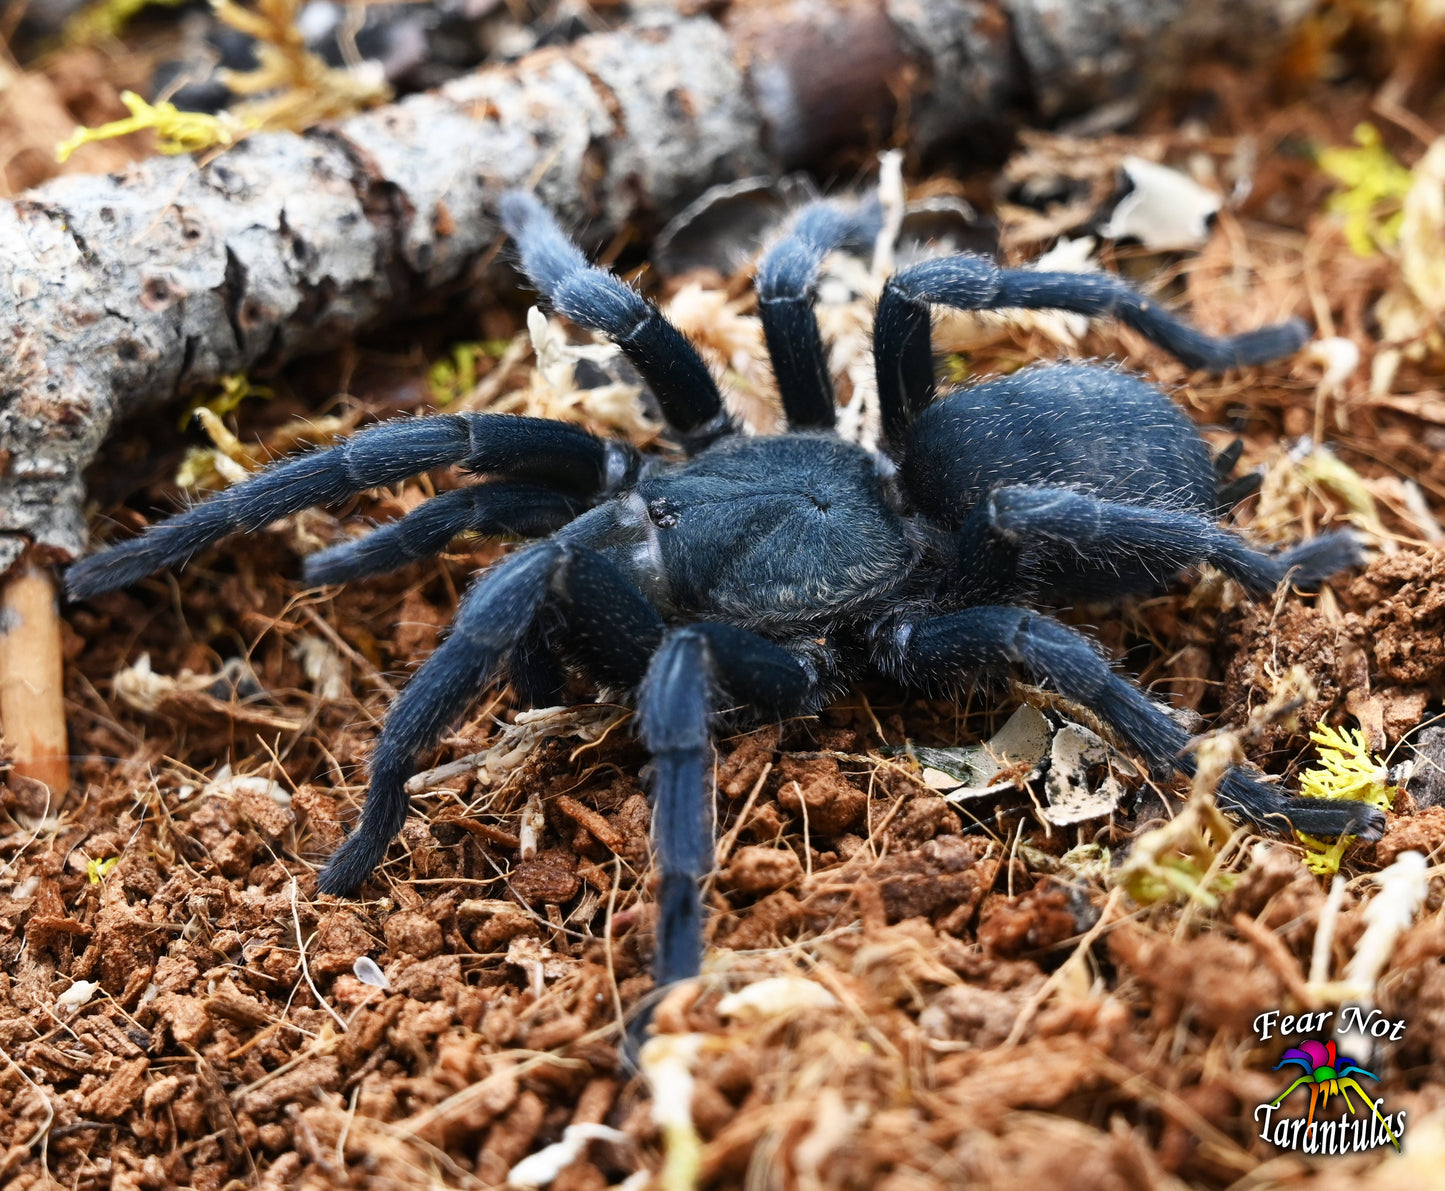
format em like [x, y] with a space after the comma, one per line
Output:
[663, 512]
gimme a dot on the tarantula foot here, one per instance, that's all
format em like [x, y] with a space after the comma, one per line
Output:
[1335, 817]
[1315, 560]
[1268, 808]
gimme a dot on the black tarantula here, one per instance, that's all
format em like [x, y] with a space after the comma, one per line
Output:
[765, 572]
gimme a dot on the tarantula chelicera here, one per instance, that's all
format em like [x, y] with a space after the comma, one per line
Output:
[765, 572]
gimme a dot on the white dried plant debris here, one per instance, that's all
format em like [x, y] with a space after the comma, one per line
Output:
[1411, 310]
[1424, 518]
[732, 343]
[533, 824]
[141, 688]
[666, 1063]
[539, 962]
[847, 298]
[893, 198]
[1325, 932]
[1338, 357]
[1390, 913]
[776, 996]
[77, 995]
[1166, 210]
[516, 741]
[26, 888]
[324, 667]
[366, 970]
[554, 390]
[833, 1123]
[225, 784]
[541, 1168]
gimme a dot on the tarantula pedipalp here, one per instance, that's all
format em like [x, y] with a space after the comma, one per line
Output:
[765, 572]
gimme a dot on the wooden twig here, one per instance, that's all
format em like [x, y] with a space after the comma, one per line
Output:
[32, 703]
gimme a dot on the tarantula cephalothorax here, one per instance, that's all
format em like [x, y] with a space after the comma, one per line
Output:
[765, 572]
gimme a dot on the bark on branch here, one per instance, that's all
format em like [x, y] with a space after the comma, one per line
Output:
[121, 291]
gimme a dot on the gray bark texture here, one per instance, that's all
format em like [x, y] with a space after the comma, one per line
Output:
[123, 291]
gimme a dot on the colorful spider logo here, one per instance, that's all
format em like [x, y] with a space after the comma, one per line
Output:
[1326, 1071]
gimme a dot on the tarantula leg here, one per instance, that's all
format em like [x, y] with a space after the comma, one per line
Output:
[988, 562]
[601, 623]
[949, 648]
[497, 444]
[676, 707]
[904, 352]
[498, 614]
[495, 510]
[593, 298]
[787, 275]
[534, 671]
[497, 611]
[1160, 541]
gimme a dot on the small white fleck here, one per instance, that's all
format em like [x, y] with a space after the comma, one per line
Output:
[77, 994]
[539, 1169]
[367, 972]
[774, 997]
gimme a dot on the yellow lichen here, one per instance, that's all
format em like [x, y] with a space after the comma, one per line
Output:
[1346, 769]
[96, 871]
[225, 397]
[176, 131]
[456, 376]
[292, 89]
[226, 462]
[1375, 188]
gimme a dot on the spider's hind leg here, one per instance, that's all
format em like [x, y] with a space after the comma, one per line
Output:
[1126, 545]
[947, 649]
[786, 281]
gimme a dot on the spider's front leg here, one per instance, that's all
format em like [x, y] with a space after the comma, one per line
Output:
[948, 650]
[610, 628]
[551, 454]
[594, 298]
[676, 707]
